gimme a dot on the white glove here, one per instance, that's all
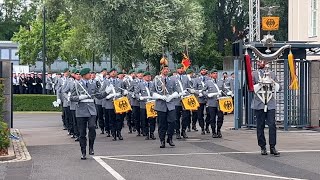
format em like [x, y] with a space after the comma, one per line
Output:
[110, 96]
[125, 92]
[192, 91]
[82, 97]
[200, 95]
[34, 83]
[108, 89]
[55, 104]
[276, 87]
[58, 101]
[210, 95]
[230, 93]
[172, 96]
[132, 95]
[141, 98]
[158, 96]
[68, 98]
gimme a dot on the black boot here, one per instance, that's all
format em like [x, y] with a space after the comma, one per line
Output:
[274, 152]
[219, 134]
[170, 142]
[102, 131]
[84, 154]
[130, 130]
[108, 133]
[178, 134]
[163, 144]
[207, 130]
[189, 130]
[203, 132]
[194, 127]
[264, 151]
[119, 135]
[183, 134]
[147, 137]
[139, 134]
[114, 135]
[214, 134]
[152, 136]
[91, 151]
[77, 138]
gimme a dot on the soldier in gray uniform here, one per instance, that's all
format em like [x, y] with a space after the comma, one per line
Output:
[83, 93]
[49, 83]
[128, 82]
[212, 90]
[182, 83]
[136, 105]
[115, 120]
[144, 94]
[165, 92]
[199, 85]
[98, 102]
[265, 112]
[191, 78]
[60, 99]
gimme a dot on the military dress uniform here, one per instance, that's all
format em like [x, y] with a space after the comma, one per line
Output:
[136, 107]
[83, 93]
[100, 109]
[49, 83]
[142, 91]
[165, 92]
[265, 117]
[199, 85]
[132, 99]
[107, 107]
[62, 82]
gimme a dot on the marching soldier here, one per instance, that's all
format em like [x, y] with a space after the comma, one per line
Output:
[181, 83]
[199, 85]
[190, 76]
[265, 110]
[212, 90]
[135, 104]
[60, 99]
[83, 93]
[165, 92]
[98, 102]
[144, 94]
[127, 82]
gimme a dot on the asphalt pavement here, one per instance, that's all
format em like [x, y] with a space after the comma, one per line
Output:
[55, 156]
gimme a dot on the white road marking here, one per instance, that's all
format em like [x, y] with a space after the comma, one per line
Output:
[108, 168]
[200, 168]
[218, 153]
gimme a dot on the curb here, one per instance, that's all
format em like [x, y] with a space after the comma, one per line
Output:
[11, 154]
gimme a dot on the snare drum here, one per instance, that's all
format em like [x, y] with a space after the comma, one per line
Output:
[190, 103]
[122, 105]
[151, 113]
[225, 104]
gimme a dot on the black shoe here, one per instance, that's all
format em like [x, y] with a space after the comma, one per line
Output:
[91, 151]
[76, 139]
[134, 130]
[83, 157]
[207, 130]
[114, 135]
[178, 134]
[119, 135]
[130, 130]
[194, 128]
[138, 134]
[203, 133]
[169, 141]
[214, 135]
[65, 128]
[274, 152]
[163, 144]
[108, 134]
[264, 151]
[152, 136]
[184, 135]
[147, 138]
[219, 134]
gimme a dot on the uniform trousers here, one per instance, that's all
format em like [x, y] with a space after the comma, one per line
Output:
[100, 116]
[185, 121]
[149, 123]
[75, 123]
[166, 124]
[83, 123]
[115, 121]
[106, 123]
[216, 119]
[137, 121]
[263, 118]
[200, 115]
[194, 117]
[67, 118]
[130, 122]
[207, 120]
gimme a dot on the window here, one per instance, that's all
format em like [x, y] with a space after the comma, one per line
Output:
[5, 54]
[14, 55]
[313, 21]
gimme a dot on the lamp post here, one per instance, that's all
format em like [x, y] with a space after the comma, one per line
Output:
[44, 51]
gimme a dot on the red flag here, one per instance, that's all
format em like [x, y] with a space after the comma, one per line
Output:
[248, 72]
[185, 61]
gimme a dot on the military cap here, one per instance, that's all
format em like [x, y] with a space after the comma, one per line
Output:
[131, 71]
[140, 71]
[147, 73]
[93, 72]
[213, 71]
[189, 71]
[113, 69]
[73, 70]
[119, 73]
[65, 70]
[77, 71]
[85, 71]
[202, 67]
[104, 69]
[179, 66]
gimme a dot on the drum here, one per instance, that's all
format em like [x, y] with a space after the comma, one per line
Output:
[190, 103]
[151, 113]
[225, 104]
[122, 105]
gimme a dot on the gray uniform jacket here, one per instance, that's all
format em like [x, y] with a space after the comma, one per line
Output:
[199, 85]
[49, 82]
[212, 87]
[66, 90]
[62, 82]
[85, 109]
[257, 104]
[118, 84]
[161, 105]
[185, 83]
[131, 88]
[98, 84]
[142, 90]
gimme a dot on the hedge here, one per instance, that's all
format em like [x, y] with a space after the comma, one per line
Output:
[37, 102]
